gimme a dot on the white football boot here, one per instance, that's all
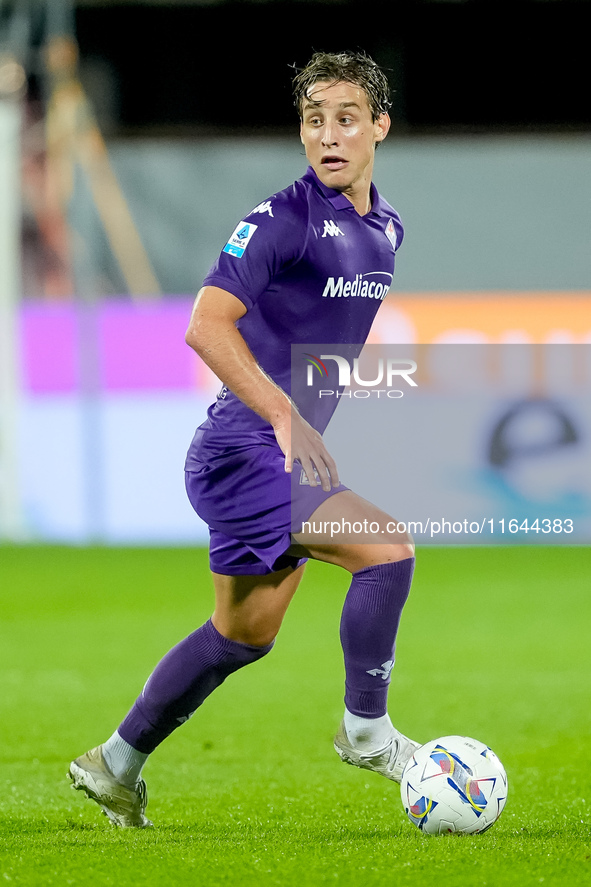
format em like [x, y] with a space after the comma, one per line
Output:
[124, 806]
[389, 760]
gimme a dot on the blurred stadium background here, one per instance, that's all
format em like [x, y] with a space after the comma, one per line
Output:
[133, 136]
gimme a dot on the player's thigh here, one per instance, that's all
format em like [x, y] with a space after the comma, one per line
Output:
[250, 609]
[352, 533]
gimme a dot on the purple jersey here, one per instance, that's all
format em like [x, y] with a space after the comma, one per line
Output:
[309, 269]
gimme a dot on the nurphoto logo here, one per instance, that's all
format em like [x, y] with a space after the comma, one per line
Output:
[389, 371]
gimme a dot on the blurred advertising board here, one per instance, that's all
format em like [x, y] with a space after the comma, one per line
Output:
[111, 397]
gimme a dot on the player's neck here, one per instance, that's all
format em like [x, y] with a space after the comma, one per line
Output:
[359, 194]
[361, 199]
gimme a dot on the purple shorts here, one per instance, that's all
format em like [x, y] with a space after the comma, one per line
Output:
[250, 504]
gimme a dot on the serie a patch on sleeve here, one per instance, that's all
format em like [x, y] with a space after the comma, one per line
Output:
[240, 239]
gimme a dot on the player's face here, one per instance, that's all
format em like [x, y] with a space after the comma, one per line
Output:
[340, 136]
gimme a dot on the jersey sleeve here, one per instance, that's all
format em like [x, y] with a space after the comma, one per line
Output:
[269, 239]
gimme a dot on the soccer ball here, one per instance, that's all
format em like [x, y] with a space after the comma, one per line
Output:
[454, 784]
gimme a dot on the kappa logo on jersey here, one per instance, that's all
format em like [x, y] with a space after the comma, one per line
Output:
[240, 239]
[331, 229]
[391, 233]
[265, 207]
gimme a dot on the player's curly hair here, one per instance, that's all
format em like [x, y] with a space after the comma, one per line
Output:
[351, 67]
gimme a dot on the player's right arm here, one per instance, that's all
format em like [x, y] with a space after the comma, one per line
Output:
[213, 334]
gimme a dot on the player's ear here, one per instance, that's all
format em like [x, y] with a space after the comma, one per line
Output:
[382, 127]
[301, 131]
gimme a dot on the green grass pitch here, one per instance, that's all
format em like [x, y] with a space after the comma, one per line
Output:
[494, 643]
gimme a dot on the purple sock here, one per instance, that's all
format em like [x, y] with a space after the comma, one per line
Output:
[369, 624]
[181, 681]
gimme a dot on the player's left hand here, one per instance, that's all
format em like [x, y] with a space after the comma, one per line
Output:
[301, 443]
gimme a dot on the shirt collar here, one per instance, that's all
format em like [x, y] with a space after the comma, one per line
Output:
[338, 199]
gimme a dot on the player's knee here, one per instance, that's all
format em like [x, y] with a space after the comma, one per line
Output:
[395, 553]
[252, 632]
[260, 640]
[403, 551]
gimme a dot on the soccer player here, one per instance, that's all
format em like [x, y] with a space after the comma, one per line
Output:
[268, 289]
